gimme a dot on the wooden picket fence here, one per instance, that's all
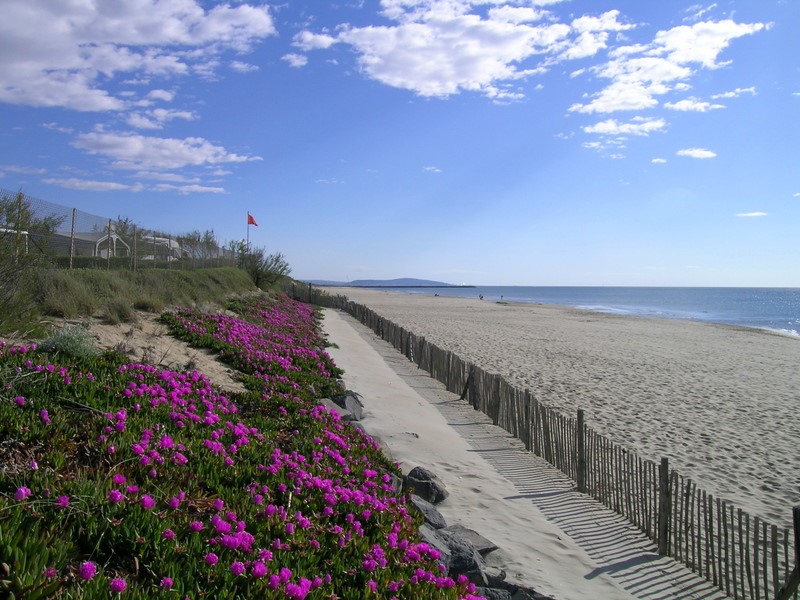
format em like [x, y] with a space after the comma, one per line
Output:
[744, 556]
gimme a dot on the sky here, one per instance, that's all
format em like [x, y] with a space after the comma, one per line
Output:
[486, 142]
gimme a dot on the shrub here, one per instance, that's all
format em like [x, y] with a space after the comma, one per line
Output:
[71, 340]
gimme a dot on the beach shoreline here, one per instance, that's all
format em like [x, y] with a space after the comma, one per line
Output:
[717, 400]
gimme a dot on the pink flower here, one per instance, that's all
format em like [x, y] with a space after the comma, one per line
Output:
[20, 400]
[237, 568]
[117, 585]
[259, 569]
[22, 493]
[45, 417]
[87, 570]
[115, 496]
[167, 583]
[62, 502]
[195, 526]
[51, 572]
[211, 558]
[168, 534]
[118, 479]
[148, 502]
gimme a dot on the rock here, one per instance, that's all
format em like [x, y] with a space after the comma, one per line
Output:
[464, 559]
[350, 402]
[428, 535]
[426, 485]
[396, 483]
[432, 516]
[333, 407]
[494, 594]
[482, 545]
[495, 577]
[529, 594]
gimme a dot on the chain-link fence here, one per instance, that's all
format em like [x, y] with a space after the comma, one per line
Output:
[74, 239]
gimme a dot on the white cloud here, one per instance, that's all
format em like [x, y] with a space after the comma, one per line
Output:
[130, 151]
[735, 93]
[642, 72]
[88, 185]
[189, 189]
[437, 48]
[752, 214]
[160, 176]
[696, 153]
[69, 54]
[243, 67]
[692, 105]
[295, 60]
[638, 126]
[56, 127]
[432, 169]
[157, 118]
[22, 169]
[698, 11]
[163, 95]
[659, 161]
[702, 42]
[307, 40]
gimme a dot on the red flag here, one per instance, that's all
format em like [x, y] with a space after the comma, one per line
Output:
[251, 220]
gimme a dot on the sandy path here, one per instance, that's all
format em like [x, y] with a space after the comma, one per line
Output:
[558, 541]
[721, 402]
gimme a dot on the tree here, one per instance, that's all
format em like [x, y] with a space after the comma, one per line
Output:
[264, 269]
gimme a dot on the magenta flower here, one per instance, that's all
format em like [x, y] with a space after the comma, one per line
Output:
[167, 583]
[168, 534]
[87, 570]
[118, 479]
[237, 568]
[148, 502]
[259, 569]
[22, 493]
[115, 496]
[117, 585]
[62, 502]
[50, 572]
[211, 558]
[45, 417]
[20, 400]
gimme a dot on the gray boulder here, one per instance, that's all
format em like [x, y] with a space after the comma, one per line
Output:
[351, 403]
[494, 594]
[432, 516]
[464, 559]
[482, 545]
[426, 485]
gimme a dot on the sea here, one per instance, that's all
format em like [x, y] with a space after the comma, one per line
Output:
[776, 309]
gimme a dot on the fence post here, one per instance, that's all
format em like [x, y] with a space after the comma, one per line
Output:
[581, 451]
[108, 254]
[791, 585]
[72, 237]
[134, 248]
[664, 507]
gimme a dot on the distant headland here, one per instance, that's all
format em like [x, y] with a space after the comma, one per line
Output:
[404, 282]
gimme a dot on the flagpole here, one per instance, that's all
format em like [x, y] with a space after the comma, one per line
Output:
[248, 232]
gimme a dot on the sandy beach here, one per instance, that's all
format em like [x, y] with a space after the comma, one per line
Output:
[549, 537]
[719, 401]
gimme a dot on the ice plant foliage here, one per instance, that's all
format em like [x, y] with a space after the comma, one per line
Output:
[150, 482]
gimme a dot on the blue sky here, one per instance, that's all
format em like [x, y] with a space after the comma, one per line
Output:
[491, 142]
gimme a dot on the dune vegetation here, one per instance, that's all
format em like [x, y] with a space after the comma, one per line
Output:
[127, 479]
